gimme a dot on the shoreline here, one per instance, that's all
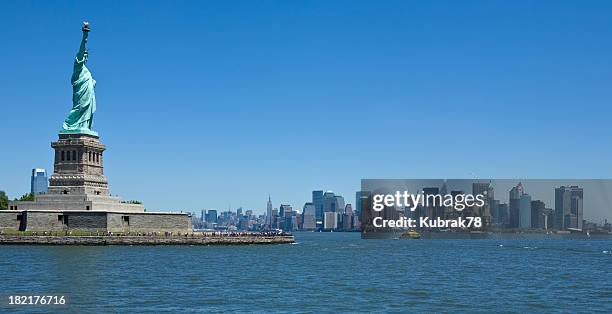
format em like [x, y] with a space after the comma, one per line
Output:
[145, 240]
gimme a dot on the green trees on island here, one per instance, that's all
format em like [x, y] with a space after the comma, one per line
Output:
[26, 197]
[3, 201]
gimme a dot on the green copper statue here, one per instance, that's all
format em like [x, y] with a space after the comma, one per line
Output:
[80, 118]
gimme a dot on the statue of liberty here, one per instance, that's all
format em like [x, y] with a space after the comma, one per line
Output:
[80, 118]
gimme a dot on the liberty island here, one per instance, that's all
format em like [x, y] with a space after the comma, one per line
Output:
[78, 207]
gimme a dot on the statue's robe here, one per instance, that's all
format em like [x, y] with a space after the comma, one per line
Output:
[83, 97]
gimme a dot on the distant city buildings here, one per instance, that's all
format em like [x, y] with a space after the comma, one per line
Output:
[39, 183]
[328, 211]
[524, 213]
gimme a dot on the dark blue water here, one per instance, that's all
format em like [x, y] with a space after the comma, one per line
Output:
[324, 272]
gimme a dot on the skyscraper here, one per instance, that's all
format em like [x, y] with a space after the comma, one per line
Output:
[317, 201]
[514, 205]
[211, 216]
[275, 219]
[494, 206]
[361, 199]
[39, 182]
[576, 207]
[329, 202]
[348, 209]
[269, 212]
[568, 207]
[537, 214]
[525, 211]
[308, 217]
[480, 188]
[330, 220]
[487, 190]
[358, 196]
[348, 219]
[339, 204]
[285, 210]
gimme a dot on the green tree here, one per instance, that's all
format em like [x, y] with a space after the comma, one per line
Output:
[3, 201]
[26, 197]
[132, 202]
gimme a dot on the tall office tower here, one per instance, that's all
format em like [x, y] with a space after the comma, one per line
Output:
[211, 216]
[239, 211]
[290, 223]
[358, 196]
[537, 214]
[568, 207]
[202, 218]
[329, 202]
[317, 201]
[330, 221]
[485, 189]
[339, 204]
[348, 219]
[275, 219]
[481, 188]
[562, 206]
[577, 197]
[285, 210]
[269, 212]
[525, 211]
[361, 201]
[308, 217]
[347, 222]
[494, 206]
[502, 210]
[348, 209]
[39, 182]
[514, 205]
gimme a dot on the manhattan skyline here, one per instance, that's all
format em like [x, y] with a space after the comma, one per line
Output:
[243, 99]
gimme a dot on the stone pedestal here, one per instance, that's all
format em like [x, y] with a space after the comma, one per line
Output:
[79, 166]
[78, 182]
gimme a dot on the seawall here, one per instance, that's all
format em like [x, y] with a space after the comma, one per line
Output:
[144, 240]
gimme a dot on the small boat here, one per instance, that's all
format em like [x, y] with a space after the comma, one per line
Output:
[410, 234]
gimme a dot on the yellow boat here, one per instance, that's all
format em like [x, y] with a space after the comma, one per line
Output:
[410, 234]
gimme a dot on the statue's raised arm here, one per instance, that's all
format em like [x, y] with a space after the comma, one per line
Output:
[80, 119]
[82, 54]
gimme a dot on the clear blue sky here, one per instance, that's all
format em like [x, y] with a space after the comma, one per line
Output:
[204, 104]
